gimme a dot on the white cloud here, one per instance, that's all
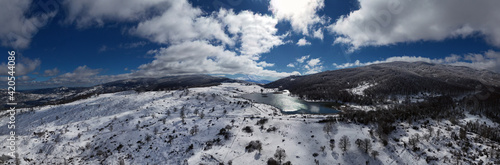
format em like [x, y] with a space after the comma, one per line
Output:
[310, 66]
[318, 34]
[313, 62]
[221, 42]
[302, 59]
[81, 74]
[201, 57]
[313, 66]
[255, 32]
[303, 42]
[103, 48]
[302, 14]
[198, 42]
[348, 64]
[24, 66]
[85, 13]
[265, 64]
[179, 23]
[25, 78]
[381, 22]
[489, 60]
[16, 30]
[51, 72]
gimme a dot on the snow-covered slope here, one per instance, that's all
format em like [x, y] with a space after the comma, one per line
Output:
[217, 127]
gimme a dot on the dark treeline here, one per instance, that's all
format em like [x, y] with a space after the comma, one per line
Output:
[485, 103]
[437, 108]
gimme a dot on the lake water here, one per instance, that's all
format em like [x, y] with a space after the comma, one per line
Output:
[290, 105]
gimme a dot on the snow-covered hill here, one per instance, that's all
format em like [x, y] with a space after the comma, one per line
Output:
[211, 125]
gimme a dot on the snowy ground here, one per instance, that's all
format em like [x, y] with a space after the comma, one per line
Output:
[360, 89]
[147, 128]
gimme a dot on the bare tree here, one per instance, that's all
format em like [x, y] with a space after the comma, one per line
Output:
[364, 145]
[328, 127]
[183, 115]
[194, 130]
[332, 144]
[202, 115]
[413, 141]
[375, 154]
[280, 154]
[344, 143]
[367, 145]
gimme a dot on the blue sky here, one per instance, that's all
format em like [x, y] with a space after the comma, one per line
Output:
[86, 42]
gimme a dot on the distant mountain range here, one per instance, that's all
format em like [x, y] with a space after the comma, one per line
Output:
[360, 85]
[255, 79]
[396, 78]
[36, 97]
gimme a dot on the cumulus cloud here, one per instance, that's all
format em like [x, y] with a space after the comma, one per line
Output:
[81, 74]
[318, 34]
[198, 43]
[24, 66]
[201, 57]
[179, 23]
[221, 42]
[313, 66]
[255, 32]
[265, 64]
[313, 62]
[51, 72]
[381, 22]
[307, 65]
[303, 42]
[85, 13]
[302, 59]
[193, 42]
[302, 14]
[489, 60]
[16, 29]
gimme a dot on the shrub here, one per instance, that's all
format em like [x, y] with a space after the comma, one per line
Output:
[262, 121]
[247, 129]
[254, 145]
[272, 129]
[271, 161]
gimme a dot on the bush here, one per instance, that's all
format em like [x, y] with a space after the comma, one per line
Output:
[431, 158]
[271, 161]
[247, 129]
[272, 129]
[262, 121]
[280, 154]
[374, 154]
[254, 145]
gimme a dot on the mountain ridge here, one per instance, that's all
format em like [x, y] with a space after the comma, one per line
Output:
[396, 78]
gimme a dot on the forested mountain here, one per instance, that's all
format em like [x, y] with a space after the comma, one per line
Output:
[390, 79]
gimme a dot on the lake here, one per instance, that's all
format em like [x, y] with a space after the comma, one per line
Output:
[290, 105]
